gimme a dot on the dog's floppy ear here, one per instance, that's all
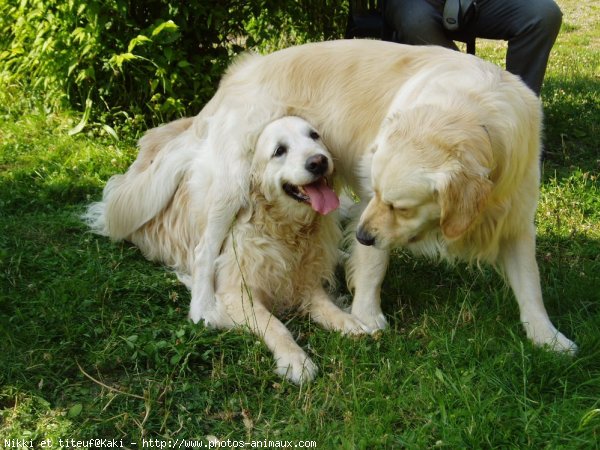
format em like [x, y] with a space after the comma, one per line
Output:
[462, 196]
[465, 186]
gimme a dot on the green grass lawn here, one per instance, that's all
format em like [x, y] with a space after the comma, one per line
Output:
[94, 341]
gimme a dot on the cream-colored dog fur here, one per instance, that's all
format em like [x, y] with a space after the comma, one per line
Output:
[455, 175]
[356, 93]
[279, 252]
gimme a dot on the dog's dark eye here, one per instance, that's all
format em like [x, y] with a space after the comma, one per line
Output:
[314, 135]
[280, 151]
[406, 213]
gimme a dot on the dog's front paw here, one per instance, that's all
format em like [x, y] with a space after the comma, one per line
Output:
[548, 336]
[203, 306]
[559, 343]
[195, 315]
[347, 323]
[214, 317]
[372, 319]
[296, 366]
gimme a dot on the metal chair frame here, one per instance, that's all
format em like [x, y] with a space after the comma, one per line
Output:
[366, 20]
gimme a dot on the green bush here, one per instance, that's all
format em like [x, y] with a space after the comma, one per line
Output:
[158, 59]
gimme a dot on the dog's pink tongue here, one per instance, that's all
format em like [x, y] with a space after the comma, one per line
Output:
[322, 198]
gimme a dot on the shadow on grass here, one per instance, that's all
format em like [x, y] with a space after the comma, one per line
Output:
[572, 123]
[31, 192]
[415, 289]
[74, 298]
[77, 299]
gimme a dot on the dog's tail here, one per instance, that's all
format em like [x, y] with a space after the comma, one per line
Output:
[132, 199]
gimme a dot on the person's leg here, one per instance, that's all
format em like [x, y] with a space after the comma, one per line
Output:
[529, 26]
[417, 22]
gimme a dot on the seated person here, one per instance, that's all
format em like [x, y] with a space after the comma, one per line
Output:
[529, 26]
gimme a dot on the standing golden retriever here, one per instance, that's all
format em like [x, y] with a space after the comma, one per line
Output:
[280, 250]
[472, 136]
[455, 175]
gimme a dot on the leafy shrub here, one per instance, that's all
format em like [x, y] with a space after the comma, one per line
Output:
[158, 59]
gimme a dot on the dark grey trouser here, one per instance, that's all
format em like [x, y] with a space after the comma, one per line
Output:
[529, 26]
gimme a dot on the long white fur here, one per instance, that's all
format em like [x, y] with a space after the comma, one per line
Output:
[349, 90]
[277, 255]
[346, 89]
[455, 174]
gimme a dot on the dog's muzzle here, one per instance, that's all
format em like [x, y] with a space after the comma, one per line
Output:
[317, 165]
[364, 237]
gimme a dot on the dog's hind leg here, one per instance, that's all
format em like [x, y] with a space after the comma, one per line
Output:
[218, 223]
[203, 303]
[230, 141]
[518, 263]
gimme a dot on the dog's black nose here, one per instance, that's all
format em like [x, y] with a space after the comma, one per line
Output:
[317, 164]
[364, 237]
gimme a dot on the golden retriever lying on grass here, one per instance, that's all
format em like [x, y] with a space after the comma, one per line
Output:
[455, 171]
[281, 248]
